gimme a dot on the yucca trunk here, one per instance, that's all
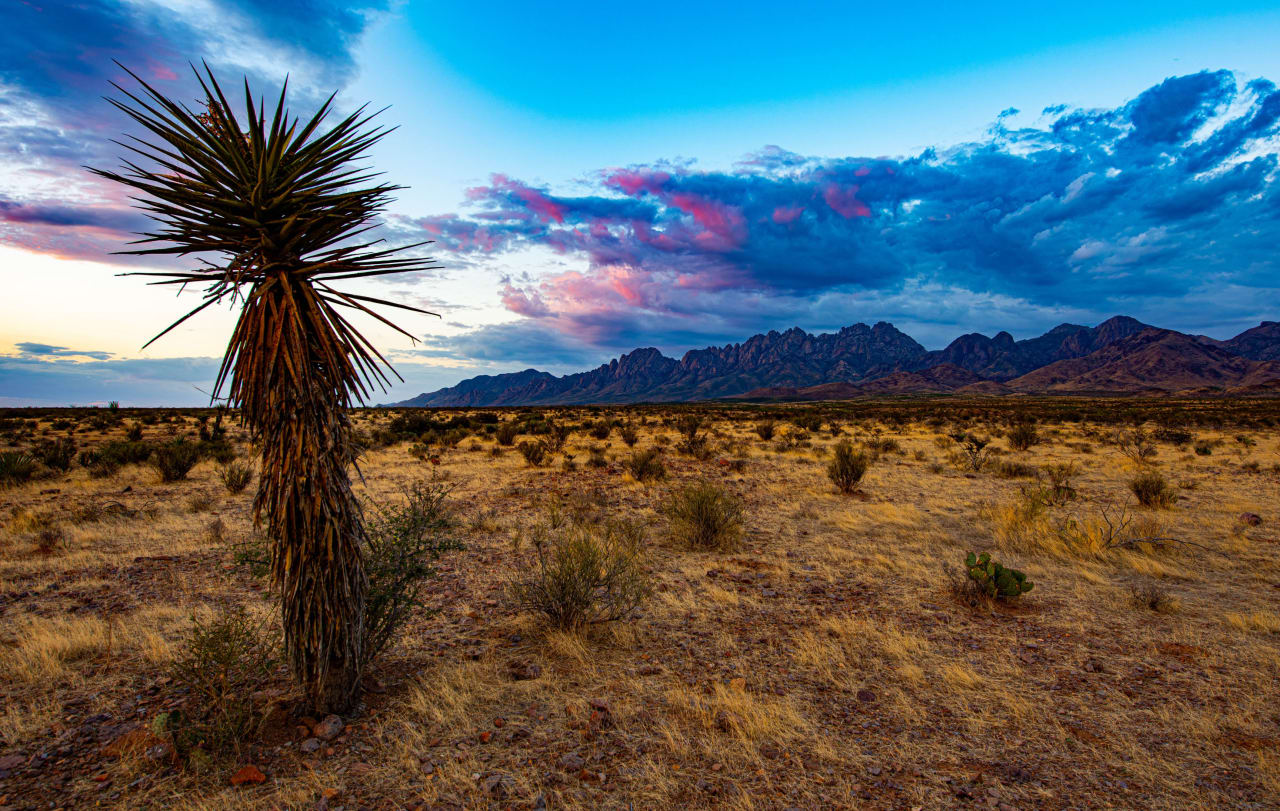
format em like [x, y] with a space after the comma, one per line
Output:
[296, 413]
[282, 206]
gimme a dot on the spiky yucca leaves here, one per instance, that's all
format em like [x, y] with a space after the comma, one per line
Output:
[281, 207]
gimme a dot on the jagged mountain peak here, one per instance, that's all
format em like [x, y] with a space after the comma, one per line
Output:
[826, 364]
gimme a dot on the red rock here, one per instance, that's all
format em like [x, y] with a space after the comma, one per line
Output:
[248, 775]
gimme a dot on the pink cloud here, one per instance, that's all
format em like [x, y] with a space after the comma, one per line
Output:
[632, 182]
[787, 214]
[844, 201]
[722, 220]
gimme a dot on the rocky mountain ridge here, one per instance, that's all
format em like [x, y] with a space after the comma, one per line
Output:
[1120, 355]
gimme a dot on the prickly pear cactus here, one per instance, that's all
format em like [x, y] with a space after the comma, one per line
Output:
[996, 580]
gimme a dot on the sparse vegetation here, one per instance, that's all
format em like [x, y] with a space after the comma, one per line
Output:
[704, 517]
[585, 575]
[995, 580]
[847, 467]
[235, 476]
[729, 657]
[223, 665]
[645, 465]
[174, 460]
[1152, 490]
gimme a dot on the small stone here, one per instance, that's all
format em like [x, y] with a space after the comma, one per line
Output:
[328, 729]
[648, 670]
[523, 671]
[311, 745]
[248, 776]
[866, 696]
[11, 761]
[1250, 519]
[572, 762]
[498, 786]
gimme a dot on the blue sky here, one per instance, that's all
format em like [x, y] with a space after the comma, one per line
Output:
[600, 177]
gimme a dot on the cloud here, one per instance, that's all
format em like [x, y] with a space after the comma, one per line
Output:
[28, 349]
[57, 60]
[1089, 211]
[56, 376]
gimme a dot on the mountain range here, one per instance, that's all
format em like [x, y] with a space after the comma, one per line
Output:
[1119, 356]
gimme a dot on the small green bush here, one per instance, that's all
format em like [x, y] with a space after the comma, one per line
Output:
[403, 540]
[995, 580]
[17, 467]
[534, 453]
[506, 434]
[224, 662]
[174, 459]
[585, 575]
[848, 467]
[235, 476]
[628, 436]
[1022, 436]
[645, 465]
[56, 454]
[765, 429]
[703, 516]
[1152, 490]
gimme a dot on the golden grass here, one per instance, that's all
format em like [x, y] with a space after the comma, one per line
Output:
[779, 674]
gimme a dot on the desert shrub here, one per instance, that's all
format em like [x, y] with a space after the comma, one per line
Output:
[809, 422]
[973, 449]
[585, 574]
[1151, 490]
[645, 465]
[1176, 437]
[1203, 448]
[219, 450]
[793, 439]
[1137, 445]
[200, 502]
[1059, 477]
[692, 443]
[995, 580]
[506, 434]
[1013, 470]
[556, 435]
[135, 433]
[50, 540]
[223, 663]
[765, 429]
[1022, 436]
[600, 430]
[403, 540]
[847, 467]
[17, 467]
[1153, 597]
[883, 444]
[56, 454]
[534, 453]
[703, 516]
[235, 476]
[628, 435]
[596, 458]
[108, 458]
[174, 459]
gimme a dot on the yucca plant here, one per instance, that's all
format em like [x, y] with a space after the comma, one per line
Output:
[277, 210]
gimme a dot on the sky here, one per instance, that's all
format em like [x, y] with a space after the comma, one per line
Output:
[598, 177]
